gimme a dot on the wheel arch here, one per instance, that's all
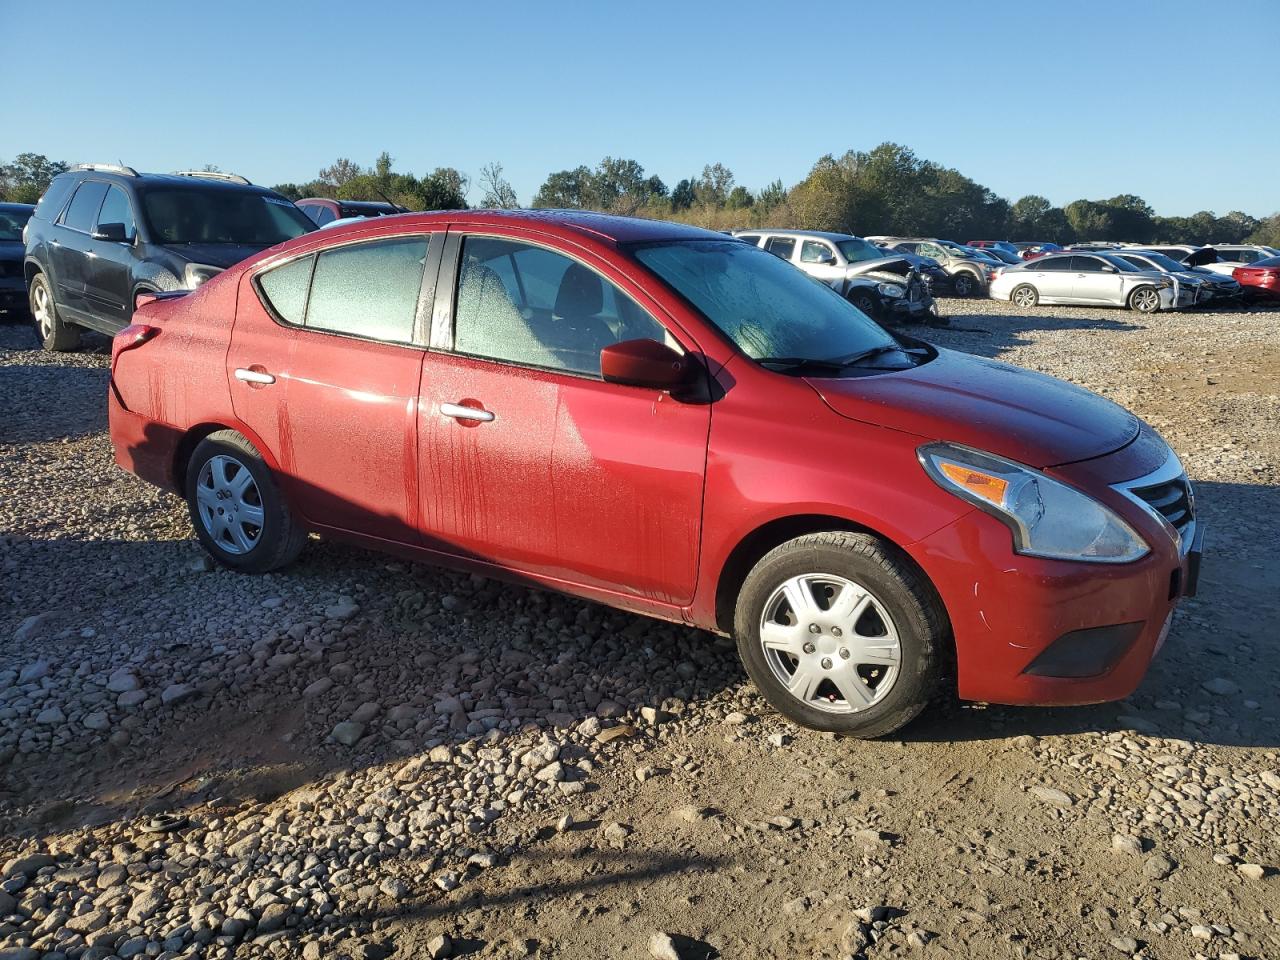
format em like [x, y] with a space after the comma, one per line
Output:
[191, 439]
[773, 533]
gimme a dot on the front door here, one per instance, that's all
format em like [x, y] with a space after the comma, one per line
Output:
[818, 259]
[529, 459]
[324, 367]
[1094, 281]
[109, 274]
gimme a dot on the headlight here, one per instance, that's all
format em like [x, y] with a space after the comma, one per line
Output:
[1163, 284]
[198, 273]
[1047, 518]
[891, 290]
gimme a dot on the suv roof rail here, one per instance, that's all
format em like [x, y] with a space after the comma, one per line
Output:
[107, 168]
[214, 175]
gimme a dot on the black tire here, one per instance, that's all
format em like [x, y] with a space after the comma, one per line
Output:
[54, 333]
[910, 602]
[865, 302]
[1144, 299]
[966, 283]
[278, 540]
[1024, 290]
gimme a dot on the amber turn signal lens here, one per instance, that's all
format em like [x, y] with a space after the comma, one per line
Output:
[984, 485]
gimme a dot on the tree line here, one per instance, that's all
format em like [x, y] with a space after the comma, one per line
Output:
[887, 190]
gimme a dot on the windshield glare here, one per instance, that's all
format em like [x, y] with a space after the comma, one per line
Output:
[11, 224]
[222, 216]
[764, 305]
[856, 250]
[1166, 263]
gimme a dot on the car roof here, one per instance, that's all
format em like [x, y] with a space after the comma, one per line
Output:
[819, 234]
[601, 226]
[18, 207]
[145, 181]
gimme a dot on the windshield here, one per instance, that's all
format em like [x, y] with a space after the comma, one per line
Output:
[12, 222]
[855, 250]
[180, 215]
[764, 305]
[1163, 262]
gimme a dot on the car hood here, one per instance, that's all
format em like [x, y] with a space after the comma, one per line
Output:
[215, 254]
[11, 250]
[880, 263]
[992, 406]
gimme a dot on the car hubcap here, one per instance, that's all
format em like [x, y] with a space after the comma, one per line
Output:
[1146, 300]
[230, 504]
[830, 643]
[44, 315]
[1024, 298]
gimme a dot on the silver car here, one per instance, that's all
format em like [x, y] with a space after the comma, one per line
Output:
[880, 286]
[1101, 279]
[1208, 285]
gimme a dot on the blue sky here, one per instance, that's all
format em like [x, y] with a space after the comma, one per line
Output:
[1173, 101]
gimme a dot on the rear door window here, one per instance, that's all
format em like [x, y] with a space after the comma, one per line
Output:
[82, 214]
[368, 289]
[1086, 264]
[781, 247]
[50, 204]
[1053, 263]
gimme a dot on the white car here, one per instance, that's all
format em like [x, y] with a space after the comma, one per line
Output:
[1100, 279]
[1232, 255]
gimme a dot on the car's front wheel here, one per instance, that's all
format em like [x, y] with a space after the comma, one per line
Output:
[966, 284]
[237, 508]
[1025, 296]
[54, 333]
[865, 302]
[840, 634]
[1145, 300]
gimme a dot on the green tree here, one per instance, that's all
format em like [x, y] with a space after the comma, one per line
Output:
[739, 198]
[713, 187]
[683, 195]
[772, 196]
[27, 176]
[1267, 232]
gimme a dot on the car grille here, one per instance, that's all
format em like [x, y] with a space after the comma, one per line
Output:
[1173, 500]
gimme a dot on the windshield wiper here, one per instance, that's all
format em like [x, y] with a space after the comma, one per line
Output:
[799, 363]
[873, 352]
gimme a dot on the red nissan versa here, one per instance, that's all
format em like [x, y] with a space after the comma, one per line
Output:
[676, 423]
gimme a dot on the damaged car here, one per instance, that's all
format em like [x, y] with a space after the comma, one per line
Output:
[883, 287]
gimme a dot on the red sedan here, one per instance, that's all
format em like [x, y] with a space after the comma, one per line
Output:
[675, 423]
[1260, 279]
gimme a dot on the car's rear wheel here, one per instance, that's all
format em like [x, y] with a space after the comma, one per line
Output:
[840, 634]
[54, 334]
[1145, 300]
[966, 284]
[1025, 296]
[237, 508]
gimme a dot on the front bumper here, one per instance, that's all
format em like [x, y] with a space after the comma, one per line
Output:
[1051, 632]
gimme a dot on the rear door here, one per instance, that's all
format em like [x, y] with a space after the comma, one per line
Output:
[324, 367]
[531, 461]
[69, 247]
[109, 272]
[1052, 278]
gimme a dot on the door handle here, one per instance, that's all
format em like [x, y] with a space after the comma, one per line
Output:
[254, 376]
[459, 412]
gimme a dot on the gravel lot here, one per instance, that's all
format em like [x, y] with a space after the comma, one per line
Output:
[362, 758]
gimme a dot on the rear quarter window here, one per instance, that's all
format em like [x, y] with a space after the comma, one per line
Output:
[285, 289]
[50, 204]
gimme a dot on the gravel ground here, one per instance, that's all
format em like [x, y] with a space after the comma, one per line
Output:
[363, 758]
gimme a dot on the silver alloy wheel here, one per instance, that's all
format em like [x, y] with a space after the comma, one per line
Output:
[1024, 297]
[830, 643]
[230, 504]
[43, 310]
[1146, 300]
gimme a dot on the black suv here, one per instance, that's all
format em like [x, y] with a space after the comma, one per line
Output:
[103, 234]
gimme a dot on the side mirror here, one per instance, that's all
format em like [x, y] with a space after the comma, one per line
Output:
[1109, 269]
[828, 261]
[113, 232]
[645, 363]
